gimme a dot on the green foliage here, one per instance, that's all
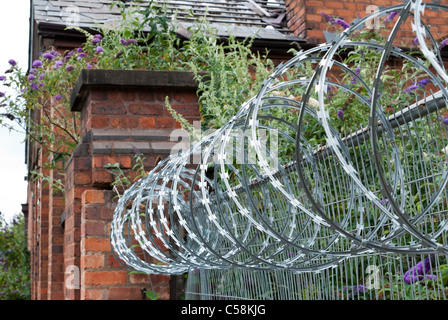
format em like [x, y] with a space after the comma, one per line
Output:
[228, 81]
[123, 180]
[56, 185]
[151, 295]
[143, 39]
[14, 261]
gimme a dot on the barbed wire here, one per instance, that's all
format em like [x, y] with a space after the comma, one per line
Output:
[327, 194]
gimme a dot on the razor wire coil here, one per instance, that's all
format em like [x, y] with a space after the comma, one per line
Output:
[311, 208]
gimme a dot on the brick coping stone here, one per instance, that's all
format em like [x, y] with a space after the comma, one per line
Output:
[91, 78]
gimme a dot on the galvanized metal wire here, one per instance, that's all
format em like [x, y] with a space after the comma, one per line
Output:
[248, 219]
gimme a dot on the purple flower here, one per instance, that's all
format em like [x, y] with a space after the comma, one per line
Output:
[421, 84]
[12, 62]
[445, 121]
[2, 78]
[340, 114]
[78, 50]
[34, 86]
[58, 97]
[424, 82]
[419, 272]
[37, 64]
[328, 17]
[391, 16]
[133, 41]
[415, 41]
[357, 71]
[124, 42]
[81, 56]
[58, 64]
[411, 88]
[42, 77]
[89, 66]
[31, 77]
[99, 49]
[342, 23]
[2, 94]
[48, 56]
[70, 68]
[96, 39]
[443, 44]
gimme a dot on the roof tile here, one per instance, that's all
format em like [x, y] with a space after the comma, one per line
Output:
[243, 16]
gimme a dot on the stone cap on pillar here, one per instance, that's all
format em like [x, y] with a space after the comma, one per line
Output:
[90, 78]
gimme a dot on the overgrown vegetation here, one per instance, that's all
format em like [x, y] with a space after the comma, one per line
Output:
[146, 39]
[14, 260]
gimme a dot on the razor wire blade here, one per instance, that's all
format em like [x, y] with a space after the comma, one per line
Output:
[329, 193]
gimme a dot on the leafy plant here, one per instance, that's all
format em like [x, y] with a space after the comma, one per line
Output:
[123, 180]
[14, 260]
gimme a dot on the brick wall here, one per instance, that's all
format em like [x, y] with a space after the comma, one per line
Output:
[121, 113]
[55, 241]
[38, 200]
[305, 20]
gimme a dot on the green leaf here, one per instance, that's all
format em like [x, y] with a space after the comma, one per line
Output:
[151, 295]
[444, 274]
[136, 272]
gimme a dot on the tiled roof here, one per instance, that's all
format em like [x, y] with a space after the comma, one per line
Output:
[244, 17]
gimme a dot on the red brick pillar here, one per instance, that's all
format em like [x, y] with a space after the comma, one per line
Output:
[43, 192]
[45, 233]
[122, 112]
[296, 18]
[77, 179]
[31, 237]
[55, 241]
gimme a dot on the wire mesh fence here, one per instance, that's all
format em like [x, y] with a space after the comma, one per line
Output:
[376, 277]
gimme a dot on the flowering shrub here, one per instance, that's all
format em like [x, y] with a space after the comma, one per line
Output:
[401, 85]
[47, 88]
[146, 41]
[143, 40]
[14, 261]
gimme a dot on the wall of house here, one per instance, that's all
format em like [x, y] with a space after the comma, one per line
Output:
[72, 256]
[68, 234]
